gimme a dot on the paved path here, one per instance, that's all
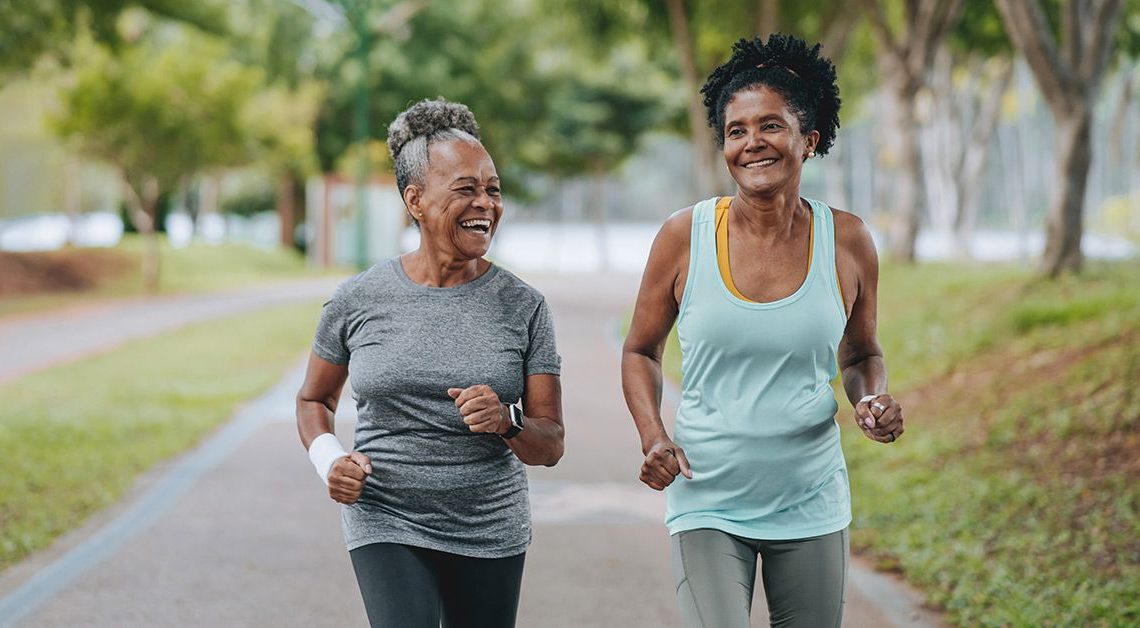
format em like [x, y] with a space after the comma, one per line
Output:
[31, 342]
[240, 533]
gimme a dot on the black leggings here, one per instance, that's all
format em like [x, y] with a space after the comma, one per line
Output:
[413, 587]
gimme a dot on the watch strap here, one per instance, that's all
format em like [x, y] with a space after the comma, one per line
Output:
[516, 416]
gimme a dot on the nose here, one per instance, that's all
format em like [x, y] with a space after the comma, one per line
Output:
[755, 141]
[483, 200]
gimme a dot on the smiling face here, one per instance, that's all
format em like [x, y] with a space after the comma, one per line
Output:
[460, 204]
[763, 146]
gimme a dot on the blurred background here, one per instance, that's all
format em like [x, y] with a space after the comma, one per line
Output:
[158, 147]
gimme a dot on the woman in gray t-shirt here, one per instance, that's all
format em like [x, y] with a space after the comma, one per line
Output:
[441, 347]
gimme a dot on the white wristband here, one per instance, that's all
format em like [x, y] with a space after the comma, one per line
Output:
[323, 452]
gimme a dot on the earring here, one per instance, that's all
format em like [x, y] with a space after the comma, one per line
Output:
[811, 153]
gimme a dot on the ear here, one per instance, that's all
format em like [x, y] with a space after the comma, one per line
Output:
[412, 196]
[810, 142]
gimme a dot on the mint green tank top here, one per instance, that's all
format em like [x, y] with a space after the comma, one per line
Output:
[757, 412]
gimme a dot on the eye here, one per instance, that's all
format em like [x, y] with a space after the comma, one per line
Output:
[735, 132]
[467, 189]
[493, 190]
[772, 126]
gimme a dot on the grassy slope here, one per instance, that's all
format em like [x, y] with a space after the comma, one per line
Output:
[196, 268]
[75, 437]
[1014, 497]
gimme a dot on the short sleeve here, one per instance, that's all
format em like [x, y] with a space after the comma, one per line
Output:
[542, 354]
[331, 341]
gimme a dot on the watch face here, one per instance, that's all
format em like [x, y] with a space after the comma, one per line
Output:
[516, 416]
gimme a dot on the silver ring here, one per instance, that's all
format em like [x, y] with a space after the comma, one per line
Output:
[881, 407]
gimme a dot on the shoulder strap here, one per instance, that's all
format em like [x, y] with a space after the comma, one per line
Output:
[825, 249]
[702, 246]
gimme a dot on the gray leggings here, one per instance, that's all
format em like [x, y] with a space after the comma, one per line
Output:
[715, 572]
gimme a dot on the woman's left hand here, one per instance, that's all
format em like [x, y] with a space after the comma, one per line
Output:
[481, 409]
[880, 417]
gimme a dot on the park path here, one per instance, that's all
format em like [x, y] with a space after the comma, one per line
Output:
[239, 532]
[30, 342]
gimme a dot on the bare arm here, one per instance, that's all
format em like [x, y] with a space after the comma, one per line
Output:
[861, 362]
[316, 408]
[318, 398]
[541, 441]
[657, 307]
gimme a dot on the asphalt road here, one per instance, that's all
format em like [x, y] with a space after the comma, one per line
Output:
[240, 532]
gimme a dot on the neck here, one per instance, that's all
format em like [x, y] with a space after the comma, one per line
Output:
[436, 269]
[767, 215]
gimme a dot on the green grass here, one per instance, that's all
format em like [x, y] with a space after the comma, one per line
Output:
[75, 437]
[196, 268]
[1014, 497]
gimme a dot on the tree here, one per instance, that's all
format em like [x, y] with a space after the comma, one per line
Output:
[158, 112]
[694, 37]
[906, 53]
[1068, 69]
[29, 29]
[279, 38]
[595, 121]
[972, 70]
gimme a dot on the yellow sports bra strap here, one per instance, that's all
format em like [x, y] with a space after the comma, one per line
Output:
[722, 246]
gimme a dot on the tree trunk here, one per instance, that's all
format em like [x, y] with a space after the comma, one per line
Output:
[907, 158]
[143, 204]
[768, 18]
[976, 154]
[1013, 193]
[1064, 223]
[939, 136]
[598, 216]
[1120, 111]
[835, 178]
[704, 157]
[1068, 72]
[286, 208]
[73, 188]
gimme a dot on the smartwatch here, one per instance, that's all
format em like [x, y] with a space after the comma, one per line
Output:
[516, 415]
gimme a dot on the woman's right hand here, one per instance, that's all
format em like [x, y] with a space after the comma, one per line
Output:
[664, 459]
[346, 477]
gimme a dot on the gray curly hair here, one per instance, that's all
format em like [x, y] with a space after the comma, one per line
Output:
[418, 127]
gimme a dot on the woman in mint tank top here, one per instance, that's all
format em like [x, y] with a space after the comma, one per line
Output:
[773, 296]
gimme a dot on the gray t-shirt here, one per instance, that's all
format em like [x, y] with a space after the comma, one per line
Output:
[435, 484]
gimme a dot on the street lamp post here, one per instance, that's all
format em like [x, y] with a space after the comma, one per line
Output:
[359, 21]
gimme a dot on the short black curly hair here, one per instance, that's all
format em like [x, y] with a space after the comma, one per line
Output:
[788, 66]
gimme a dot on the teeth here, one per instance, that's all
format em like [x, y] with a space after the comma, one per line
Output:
[476, 222]
[760, 164]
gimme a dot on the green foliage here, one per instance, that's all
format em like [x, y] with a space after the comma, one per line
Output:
[520, 71]
[279, 120]
[159, 110]
[1025, 318]
[116, 415]
[593, 123]
[1006, 500]
[979, 31]
[30, 29]
[1128, 36]
[250, 202]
